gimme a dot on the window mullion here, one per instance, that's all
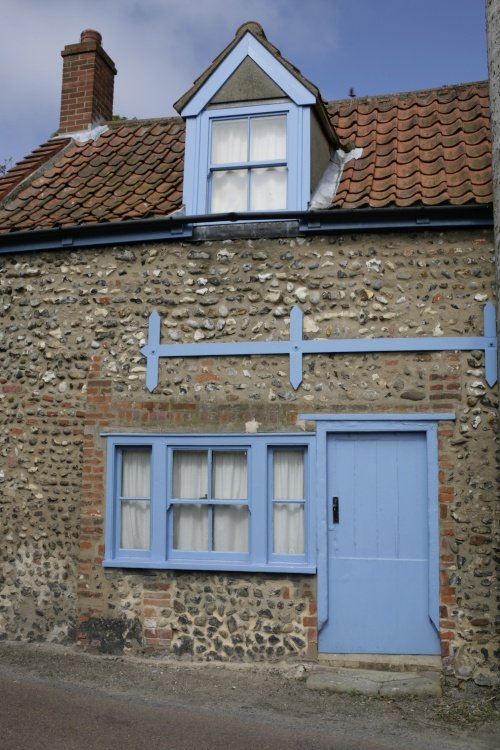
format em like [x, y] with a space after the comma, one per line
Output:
[118, 499]
[258, 503]
[159, 482]
[248, 162]
[210, 498]
[248, 138]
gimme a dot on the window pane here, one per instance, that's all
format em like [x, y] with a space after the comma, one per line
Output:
[229, 191]
[191, 527]
[136, 470]
[288, 475]
[229, 141]
[230, 530]
[190, 475]
[268, 138]
[268, 188]
[135, 524]
[229, 475]
[288, 531]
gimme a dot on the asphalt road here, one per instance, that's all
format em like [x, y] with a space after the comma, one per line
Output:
[38, 716]
[54, 698]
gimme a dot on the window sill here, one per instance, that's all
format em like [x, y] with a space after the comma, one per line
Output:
[196, 565]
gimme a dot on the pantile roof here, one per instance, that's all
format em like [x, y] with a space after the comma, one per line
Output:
[420, 148]
[423, 147]
[28, 166]
[133, 170]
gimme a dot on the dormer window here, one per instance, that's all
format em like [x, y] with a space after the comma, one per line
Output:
[258, 137]
[248, 163]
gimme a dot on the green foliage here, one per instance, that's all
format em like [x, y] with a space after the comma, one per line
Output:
[5, 165]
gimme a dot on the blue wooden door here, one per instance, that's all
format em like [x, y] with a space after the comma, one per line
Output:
[378, 545]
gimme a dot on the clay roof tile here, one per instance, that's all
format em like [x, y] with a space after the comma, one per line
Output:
[425, 147]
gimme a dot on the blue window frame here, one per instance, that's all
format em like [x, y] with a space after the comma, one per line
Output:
[248, 163]
[210, 502]
[199, 113]
[248, 158]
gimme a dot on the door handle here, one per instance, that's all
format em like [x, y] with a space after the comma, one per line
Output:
[335, 510]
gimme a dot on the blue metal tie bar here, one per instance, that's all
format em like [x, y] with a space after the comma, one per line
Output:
[297, 346]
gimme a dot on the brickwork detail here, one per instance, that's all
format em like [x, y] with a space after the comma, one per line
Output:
[87, 84]
[221, 617]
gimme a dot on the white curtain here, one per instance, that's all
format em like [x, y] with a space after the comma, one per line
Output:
[268, 189]
[288, 518]
[231, 528]
[136, 483]
[229, 191]
[268, 138]
[288, 475]
[268, 186]
[229, 141]
[190, 482]
[191, 527]
[229, 482]
[229, 477]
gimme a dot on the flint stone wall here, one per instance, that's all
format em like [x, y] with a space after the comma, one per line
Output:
[73, 323]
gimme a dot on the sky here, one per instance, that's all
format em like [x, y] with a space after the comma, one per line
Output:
[160, 46]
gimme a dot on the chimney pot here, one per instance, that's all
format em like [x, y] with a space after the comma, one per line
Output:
[90, 35]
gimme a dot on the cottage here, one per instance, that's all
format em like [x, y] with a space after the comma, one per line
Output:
[249, 400]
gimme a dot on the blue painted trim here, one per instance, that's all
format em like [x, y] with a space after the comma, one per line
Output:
[295, 351]
[322, 524]
[296, 346]
[111, 492]
[380, 416]
[161, 553]
[247, 114]
[198, 168]
[211, 438]
[248, 46]
[303, 179]
[433, 522]
[378, 423]
[490, 353]
[194, 564]
[192, 163]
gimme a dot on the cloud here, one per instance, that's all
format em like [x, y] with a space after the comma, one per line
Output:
[158, 46]
[161, 46]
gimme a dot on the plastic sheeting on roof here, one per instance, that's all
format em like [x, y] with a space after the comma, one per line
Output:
[327, 187]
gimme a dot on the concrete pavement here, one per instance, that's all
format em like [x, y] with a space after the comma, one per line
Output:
[376, 682]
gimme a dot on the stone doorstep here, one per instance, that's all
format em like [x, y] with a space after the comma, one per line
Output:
[383, 662]
[376, 682]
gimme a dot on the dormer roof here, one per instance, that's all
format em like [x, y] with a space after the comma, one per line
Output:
[254, 29]
[251, 48]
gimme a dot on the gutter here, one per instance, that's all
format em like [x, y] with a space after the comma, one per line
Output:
[411, 217]
[92, 235]
[257, 224]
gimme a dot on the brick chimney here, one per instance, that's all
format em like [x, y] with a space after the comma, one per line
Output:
[87, 84]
